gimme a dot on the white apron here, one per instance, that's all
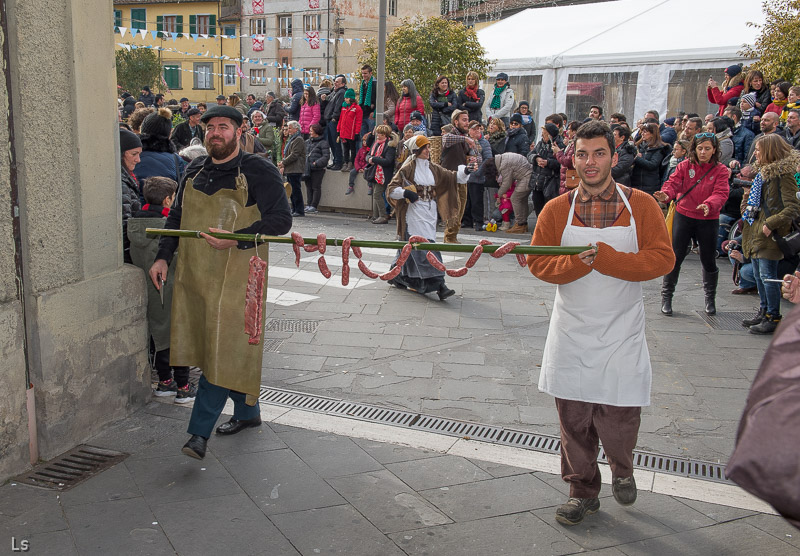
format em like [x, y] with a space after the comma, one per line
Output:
[596, 349]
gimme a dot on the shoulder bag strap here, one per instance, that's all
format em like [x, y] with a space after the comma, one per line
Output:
[695, 185]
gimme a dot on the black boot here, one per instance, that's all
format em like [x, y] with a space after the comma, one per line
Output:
[762, 313]
[766, 326]
[710, 280]
[667, 289]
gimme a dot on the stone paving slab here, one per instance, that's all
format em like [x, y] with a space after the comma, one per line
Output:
[269, 490]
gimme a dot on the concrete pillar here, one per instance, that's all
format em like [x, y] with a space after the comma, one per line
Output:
[85, 309]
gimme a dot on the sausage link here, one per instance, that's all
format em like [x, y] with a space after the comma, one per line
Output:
[457, 272]
[363, 268]
[323, 267]
[391, 274]
[404, 253]
[298, 243]
[357, 251]
[505, 249]
[417, 239]
[476, 254]
[321, 245]
[522, 259]
[345, 274]
[346, 249]
[435, 263]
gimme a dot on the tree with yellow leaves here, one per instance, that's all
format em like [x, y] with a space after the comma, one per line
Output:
[778, 45]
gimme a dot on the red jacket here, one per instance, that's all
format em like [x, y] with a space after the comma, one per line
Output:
[718, 97]
[349, 125]
[403, 110]
[712, 191]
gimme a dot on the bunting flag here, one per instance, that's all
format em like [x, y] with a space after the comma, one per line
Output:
[313, 4]
[239, 71]
[286, 42]
[258, 6]
[313, 39]
[258, 44]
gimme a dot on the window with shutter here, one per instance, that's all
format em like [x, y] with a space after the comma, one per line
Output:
[172, 76]
[192, 24]
[138, 18]
[202, 75]
[229, 30]
[170, 23]
[212, 24]
[179, 24]
[117, 18]
[160, 25]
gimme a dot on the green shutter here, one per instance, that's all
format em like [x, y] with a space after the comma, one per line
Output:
[172, 76]
[160, 25]
[138, 18]
[179, 24]
[192, 24]
[117, 18]
[212, 25]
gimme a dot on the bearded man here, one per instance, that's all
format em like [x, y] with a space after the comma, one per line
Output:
[228, 190]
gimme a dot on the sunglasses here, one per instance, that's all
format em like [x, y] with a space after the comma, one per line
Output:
[706, 134]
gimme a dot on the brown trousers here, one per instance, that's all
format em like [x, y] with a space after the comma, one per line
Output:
[451, 232]
[582, 425]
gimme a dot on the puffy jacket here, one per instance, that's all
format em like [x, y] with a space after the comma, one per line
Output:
[309, 115]
[297, 94]
[294, 157]
[647, 170]
[473, 107]
[506, 104]
[404, 108]
[715, 96]
[712, 191]
[334, 106]
[779, 206]
[317, 154]
[742, 139]
[545, 178]
[511, 167]
[517, 141]
[725, 146]
[441, 110]
[669, 135]
[275, 113]
[626, 154]
[323, 104]
[497, 141]
[130, 205]
[128, 107]
[387, 158]
[349, 125]
[166, 165]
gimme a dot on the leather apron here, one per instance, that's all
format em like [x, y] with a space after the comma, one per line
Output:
[596, 349]
[209, 293]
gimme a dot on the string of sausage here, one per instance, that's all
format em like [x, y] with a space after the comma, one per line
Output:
[401, 260]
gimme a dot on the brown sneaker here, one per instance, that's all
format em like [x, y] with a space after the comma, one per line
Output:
[518, 229]
[624, 490]
[575, 509]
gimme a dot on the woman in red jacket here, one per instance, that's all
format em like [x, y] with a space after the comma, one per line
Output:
[731, 88]
[408, 103]
[699, 187]
[349, 127]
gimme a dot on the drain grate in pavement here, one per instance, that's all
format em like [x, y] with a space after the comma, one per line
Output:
[272, 344]
[292, 325]
[684, 467]
[727, 320]
[71, 468]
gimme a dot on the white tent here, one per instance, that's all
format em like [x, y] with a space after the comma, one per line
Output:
[628, 55]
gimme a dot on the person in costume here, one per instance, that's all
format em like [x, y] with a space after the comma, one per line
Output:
[596, 363]
[419, 191]
[228, 190]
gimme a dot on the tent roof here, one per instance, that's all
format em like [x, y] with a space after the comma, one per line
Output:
[622, 32]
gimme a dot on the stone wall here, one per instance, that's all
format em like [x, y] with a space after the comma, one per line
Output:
[85, 310]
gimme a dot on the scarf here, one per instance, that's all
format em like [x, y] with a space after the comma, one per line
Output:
[377, 150]
[288, 143]
[472, 92]
[164, 210]
[442, 97]
[754, 200]
[361, 94]
[495, 105]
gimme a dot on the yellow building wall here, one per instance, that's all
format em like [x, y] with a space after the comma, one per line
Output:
[213, 46]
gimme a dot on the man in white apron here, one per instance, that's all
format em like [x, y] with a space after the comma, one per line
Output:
[228, 190]
[595, 360]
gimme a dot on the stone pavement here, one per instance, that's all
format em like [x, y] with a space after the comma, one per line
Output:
[475, 356]
[283, 490]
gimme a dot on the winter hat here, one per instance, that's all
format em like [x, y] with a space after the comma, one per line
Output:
[125, 95]
[416, 115]
[223, 111]
[128, 140]
[733, 70]
[184, 99]
[750, 98]
[456, 114]
[192, 111]
[349, 93]
[670, 121]
[552, 129]
[525, 102]
[158, 124]
[503, 76]
[146, 88]
[221, 97]
[517, 118]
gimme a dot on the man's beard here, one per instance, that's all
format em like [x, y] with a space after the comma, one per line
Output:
[220, 151]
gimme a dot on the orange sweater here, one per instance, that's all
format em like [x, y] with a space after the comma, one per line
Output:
[655, 257]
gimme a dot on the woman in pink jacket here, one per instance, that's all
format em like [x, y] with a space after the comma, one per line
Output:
[731, 88]
[699, 187]
[309, 111]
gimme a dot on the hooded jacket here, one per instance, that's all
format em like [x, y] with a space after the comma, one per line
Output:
[334, 106]
[621, 171]
[297, 94]
[779, 207]
[317, 154]
[473, 107]
[309, 115]
[511, 167]
[275, 113]
[517, 141]
[647, 169]
[726, 146]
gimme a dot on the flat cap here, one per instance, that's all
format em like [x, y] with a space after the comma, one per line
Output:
[222, 111]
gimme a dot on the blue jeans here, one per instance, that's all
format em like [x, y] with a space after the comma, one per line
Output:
[746, 278]
[768, 292]
[367, 125]
[336, 147]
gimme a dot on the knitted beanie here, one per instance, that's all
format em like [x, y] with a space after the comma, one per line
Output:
[349, 93]
[128, 141]
[158, 124]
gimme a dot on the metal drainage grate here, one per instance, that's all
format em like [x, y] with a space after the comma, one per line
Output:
[659, 463]
[272, 344]
[71, 468]
[727, 320]
[292, 325]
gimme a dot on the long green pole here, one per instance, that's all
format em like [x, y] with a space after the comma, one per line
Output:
[445, 247]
